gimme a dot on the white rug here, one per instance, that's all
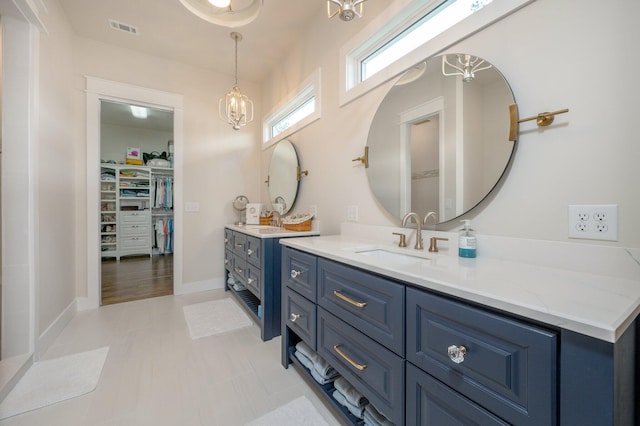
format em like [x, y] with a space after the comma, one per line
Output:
[213, 317]
[55, 380]
[299, 412]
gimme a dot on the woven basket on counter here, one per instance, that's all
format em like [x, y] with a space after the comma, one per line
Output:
[265, 220]
[297, 223]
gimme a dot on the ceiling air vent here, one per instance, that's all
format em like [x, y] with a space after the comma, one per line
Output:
[119, 26]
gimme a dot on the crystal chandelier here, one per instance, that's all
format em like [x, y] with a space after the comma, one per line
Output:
[236, 108]
[346, 9]
[466, 66]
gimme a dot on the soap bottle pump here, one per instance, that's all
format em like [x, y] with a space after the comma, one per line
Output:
[467, 240]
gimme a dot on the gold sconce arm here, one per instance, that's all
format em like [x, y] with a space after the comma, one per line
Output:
[300, 172]
[365, 158]
[542, 119]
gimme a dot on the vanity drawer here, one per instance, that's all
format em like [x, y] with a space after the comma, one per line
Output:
[299, 272]
[300, 316]
[253, 250]
[509, 367]
[372, 369]
[430, 402]
[253, 282]
[370, 303]
[228, 260]
[240, 269]
[239, 244]
[228, 239]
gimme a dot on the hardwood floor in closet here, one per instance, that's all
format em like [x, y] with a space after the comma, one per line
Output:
[135, 278]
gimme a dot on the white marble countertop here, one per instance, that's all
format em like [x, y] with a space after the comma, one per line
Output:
[600, 305]
[267, 231]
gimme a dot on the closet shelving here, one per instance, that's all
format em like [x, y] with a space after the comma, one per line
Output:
[108, 211]
[162, 210]
[133, 208]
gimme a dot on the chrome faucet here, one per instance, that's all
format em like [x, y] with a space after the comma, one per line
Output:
[434, 215]
[416, 219]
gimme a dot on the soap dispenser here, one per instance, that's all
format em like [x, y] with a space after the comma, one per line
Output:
[467, 240]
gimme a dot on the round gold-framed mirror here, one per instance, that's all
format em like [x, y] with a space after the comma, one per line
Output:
[439, 139]
[283, 177]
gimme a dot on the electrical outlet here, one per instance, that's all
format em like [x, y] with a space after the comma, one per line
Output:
[594, 222]
[352, 213]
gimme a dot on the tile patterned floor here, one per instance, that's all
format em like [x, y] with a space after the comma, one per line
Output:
[156, 375]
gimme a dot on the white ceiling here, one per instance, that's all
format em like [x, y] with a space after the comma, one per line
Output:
[167, 29]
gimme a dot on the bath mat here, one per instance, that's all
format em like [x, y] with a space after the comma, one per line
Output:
[55, 380]
[214, 317]
[297, 412]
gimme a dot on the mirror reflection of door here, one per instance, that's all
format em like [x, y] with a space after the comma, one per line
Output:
[425, 167]
[136, 202]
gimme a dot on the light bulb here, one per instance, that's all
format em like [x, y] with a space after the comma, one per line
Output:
[220, 3]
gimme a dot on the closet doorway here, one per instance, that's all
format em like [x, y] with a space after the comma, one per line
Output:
[136, 202]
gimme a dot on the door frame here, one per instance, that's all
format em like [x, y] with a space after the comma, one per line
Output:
[97, 90]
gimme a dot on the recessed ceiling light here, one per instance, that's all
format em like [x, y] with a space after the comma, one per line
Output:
[139, 112]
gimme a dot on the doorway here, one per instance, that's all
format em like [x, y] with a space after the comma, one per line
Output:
[136, 202]
[99, 90]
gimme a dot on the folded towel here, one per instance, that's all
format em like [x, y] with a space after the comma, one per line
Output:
[318, 378]
[373, 417]
[306, 350]
[350, 393]
[323, 368]
[356, 411]
[304, 360]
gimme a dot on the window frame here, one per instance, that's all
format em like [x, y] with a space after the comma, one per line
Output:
[309, 89]
[382, 30]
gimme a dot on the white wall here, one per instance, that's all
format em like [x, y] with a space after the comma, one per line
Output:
[554, 54]
[57, 159]
[219, 163]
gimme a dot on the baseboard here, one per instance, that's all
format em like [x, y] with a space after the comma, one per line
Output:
[198, 286]
[49, 335]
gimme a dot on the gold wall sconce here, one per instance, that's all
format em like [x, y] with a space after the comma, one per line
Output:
[365, 158]
[542, 119]
[300, 172]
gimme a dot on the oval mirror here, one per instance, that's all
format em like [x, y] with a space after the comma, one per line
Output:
[440, 143]
[283, 177]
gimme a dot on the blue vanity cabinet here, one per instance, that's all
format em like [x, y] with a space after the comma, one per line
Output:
[505, 366]
[255, 263]
[510, 370]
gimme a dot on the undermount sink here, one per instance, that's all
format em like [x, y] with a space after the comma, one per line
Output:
[392, 256]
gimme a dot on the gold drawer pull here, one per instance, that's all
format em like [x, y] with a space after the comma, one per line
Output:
[239, 245]
[360, 367]
[295, 274]
[294, 317]
[250, 280]
[239, 270]
[249, 252]
[457, 353]
[349, 300]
